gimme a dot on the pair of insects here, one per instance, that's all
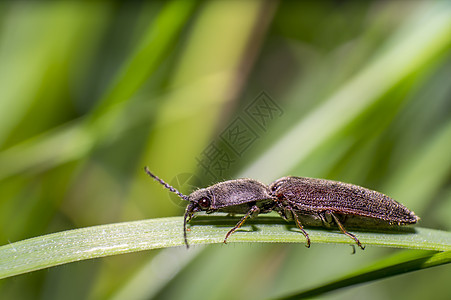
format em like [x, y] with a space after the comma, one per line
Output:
[307, 201]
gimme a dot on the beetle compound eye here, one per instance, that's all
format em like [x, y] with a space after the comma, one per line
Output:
[204, 202]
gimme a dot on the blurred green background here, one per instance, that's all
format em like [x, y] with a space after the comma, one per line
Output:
[93, 91]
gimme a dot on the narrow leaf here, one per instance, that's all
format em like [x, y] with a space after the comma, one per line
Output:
[99, 241]
[395, 265]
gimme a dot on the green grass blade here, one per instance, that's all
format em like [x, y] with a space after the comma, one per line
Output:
[397, 264]
[99, 241]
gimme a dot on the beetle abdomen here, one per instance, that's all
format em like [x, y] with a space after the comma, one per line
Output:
[320, 195]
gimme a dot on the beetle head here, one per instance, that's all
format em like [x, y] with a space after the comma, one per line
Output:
[201, 200]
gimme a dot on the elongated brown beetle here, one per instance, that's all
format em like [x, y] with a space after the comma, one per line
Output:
[307, 201]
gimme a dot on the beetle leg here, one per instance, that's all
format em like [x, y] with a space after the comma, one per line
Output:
[298, 223]
[186, 218]
[190, 216]
[254, 209]
[342, 229]
[325, 220]
[285, 213]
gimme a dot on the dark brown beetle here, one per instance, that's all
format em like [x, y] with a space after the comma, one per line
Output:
[307, 201]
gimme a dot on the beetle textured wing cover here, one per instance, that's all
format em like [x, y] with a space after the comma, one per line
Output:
[318, 195]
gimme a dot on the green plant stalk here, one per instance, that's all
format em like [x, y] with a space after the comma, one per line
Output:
[394, 265]
[112, 239]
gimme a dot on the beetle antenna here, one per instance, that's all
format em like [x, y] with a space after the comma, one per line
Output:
[166, 185]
